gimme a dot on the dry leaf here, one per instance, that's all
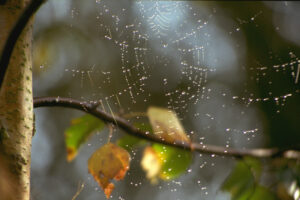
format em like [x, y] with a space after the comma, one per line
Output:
[108, 162]
[166, 125]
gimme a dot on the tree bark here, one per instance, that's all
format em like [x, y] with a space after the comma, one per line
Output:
[16, 107]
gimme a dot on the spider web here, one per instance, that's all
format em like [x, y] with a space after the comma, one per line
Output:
[177, 55]
[171, 44]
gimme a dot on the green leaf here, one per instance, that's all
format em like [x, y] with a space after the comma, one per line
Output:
[174, 161]
[262, 193]
[254, 166]
[129, 142]
[240, 182]
[144, 127]
[81, 128]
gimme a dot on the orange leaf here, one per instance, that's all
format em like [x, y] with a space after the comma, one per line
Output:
[108, 162]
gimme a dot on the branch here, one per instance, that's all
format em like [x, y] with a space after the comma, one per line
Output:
[14, 35]
[130, 129]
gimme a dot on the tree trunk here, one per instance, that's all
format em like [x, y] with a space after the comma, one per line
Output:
[16, 108]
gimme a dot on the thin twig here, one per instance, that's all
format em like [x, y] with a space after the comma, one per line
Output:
[79, 190]
[14, 35]
[111, 130]
[130, 129]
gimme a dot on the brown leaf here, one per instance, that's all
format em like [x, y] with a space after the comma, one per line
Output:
[108, 162]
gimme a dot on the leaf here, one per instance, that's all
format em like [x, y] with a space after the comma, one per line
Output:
[239, 181]
[174, 161]
[144, 127]
[128, 141]
[262, 193]
[151, 163]
[81, 128]
[254, 166]
[166, 125]
[242, 182]
[165, 162]
[108, 162]
[161, 161]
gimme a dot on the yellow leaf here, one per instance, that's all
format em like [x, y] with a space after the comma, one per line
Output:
[166, 125]
[108, 162]
[151, 163]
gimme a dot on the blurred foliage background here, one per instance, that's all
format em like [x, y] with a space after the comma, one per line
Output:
[229, 70]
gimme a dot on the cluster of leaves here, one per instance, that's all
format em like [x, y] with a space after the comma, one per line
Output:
[112, 161]
[244, 182]
[160, 162]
